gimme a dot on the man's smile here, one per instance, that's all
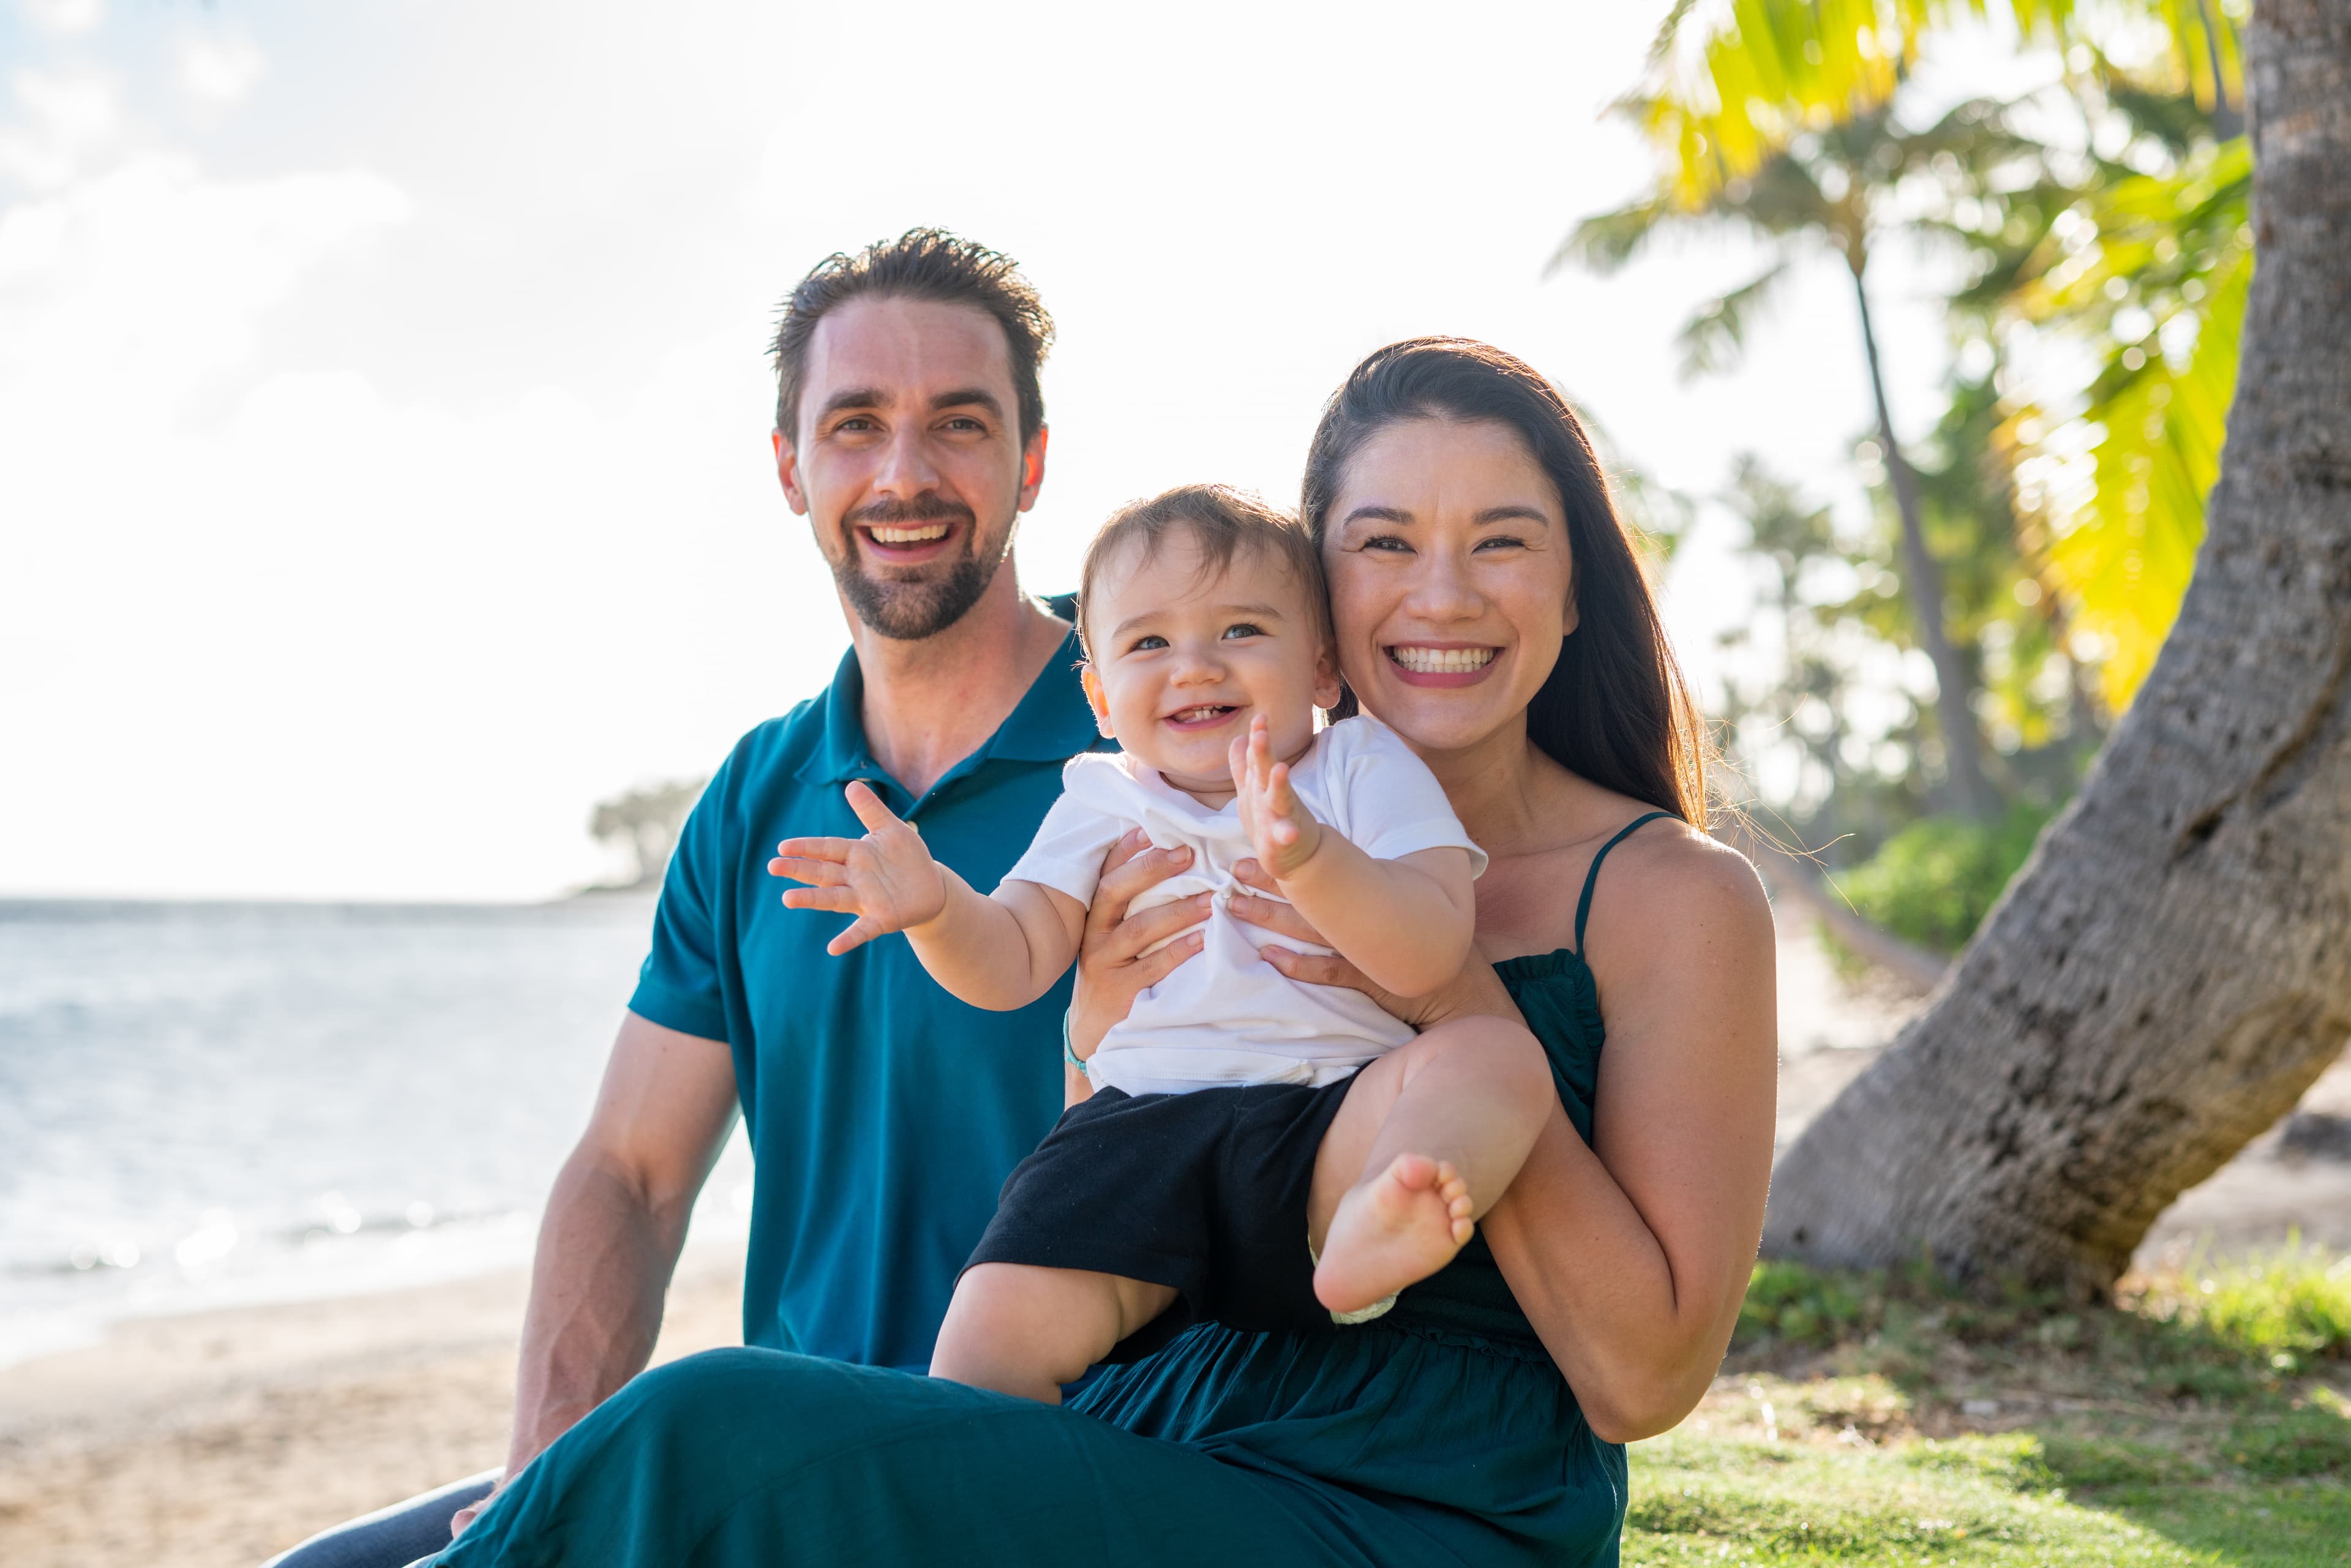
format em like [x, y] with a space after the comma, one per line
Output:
[908, 542]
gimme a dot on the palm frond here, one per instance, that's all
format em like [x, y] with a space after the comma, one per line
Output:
[1729, 84]
[2123, 554]
[1606, 241]
[1714, 340]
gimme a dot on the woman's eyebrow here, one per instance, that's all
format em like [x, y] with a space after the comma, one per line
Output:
[1376, 514]
[1513, 514]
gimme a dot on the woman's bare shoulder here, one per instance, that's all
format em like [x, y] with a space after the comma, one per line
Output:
[1671, 890]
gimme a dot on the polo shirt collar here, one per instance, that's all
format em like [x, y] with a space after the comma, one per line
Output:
[1052, 722]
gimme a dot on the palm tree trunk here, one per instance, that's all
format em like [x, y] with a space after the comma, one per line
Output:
[1962, 749]
[2172, 969]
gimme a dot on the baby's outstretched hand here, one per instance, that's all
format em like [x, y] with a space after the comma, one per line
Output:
[887, 879]
[1280, 828]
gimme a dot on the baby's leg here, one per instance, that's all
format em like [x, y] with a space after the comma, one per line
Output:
[1024, 1330]
[1428, 1137]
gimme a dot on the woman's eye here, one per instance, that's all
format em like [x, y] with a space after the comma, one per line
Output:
[1386, 542]
[1501, 541]
[1244, 629]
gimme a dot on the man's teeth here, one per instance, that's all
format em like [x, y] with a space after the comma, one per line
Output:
[913, 536]
[1443, 661]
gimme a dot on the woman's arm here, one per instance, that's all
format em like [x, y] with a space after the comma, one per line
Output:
[1631, 1256]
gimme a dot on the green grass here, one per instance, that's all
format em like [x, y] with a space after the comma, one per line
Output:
[1890, 1419]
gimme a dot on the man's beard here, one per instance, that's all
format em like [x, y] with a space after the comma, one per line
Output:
[907, 612]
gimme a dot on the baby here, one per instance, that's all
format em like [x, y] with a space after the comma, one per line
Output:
[1178, 1190]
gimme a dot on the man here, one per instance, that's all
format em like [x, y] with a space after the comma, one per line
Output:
[884, 1114]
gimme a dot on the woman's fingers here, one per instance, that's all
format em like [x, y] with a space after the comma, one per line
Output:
[1143, 870]
[1273, 914]
[1150, 971]
[1153, 926]
[1249, 870]
[1318, 969]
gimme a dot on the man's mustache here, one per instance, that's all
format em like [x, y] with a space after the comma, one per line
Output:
[898, 514]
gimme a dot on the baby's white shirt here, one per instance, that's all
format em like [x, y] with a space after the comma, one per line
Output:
[1225, 1016]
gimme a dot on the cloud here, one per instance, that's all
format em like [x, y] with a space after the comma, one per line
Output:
[221, 69]
[65, 15]
[128, 290]
[69, 122]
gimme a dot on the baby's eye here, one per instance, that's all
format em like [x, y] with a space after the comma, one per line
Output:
[1244, 629]
[1147, 643]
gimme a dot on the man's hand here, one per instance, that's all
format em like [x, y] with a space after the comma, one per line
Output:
[472, 1511]
[1280, 828]
[887, 879]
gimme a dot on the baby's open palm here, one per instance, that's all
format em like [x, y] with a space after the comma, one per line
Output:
[887, 879]
[1281, 831]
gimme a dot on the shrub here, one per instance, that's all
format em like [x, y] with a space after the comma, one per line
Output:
[2294, 1307]
[1932, 883]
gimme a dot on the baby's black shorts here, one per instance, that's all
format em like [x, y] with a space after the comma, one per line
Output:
[1204, 1192]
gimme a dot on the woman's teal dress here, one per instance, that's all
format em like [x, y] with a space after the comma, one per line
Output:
[1440, 1433]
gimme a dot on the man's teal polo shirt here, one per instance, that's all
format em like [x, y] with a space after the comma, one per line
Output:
[884, 1114]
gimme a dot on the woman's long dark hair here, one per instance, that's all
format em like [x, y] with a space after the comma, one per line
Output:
[1615, 708]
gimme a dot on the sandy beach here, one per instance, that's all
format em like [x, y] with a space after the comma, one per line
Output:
[214, 1440]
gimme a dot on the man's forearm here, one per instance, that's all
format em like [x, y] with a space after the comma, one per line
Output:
[605, 1258]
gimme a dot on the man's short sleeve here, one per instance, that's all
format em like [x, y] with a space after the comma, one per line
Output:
[1065, 856]
[1396, 806]
[679, 987]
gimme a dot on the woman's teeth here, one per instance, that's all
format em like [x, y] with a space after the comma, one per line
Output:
[1443, 661]
[922, 533]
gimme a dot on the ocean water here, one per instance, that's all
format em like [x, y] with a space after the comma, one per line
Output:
[208, 1104]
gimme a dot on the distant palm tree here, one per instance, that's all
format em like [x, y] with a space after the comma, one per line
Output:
[1731, 84]
[1832, 189]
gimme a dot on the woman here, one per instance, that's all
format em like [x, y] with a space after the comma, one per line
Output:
[1490, 610]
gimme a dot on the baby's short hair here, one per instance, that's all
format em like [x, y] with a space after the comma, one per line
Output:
[1223, 522]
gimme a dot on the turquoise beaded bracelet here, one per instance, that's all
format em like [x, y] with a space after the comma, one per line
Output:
[1069, 1052]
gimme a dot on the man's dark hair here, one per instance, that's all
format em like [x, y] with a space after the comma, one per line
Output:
[920, 263]
[1223, 522]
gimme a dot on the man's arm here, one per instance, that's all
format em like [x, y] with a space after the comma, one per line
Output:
[615, 1222]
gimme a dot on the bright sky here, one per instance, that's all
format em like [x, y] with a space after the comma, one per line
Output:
[383, 407]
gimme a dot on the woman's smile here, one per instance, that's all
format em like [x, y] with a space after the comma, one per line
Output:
[1442, 663]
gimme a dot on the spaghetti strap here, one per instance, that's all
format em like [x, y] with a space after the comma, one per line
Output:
[1592, 877]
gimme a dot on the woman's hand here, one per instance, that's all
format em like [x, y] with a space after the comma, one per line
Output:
[1476, 992]
[1112, 969]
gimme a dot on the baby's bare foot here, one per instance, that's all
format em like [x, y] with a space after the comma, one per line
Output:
[1391, 1230]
